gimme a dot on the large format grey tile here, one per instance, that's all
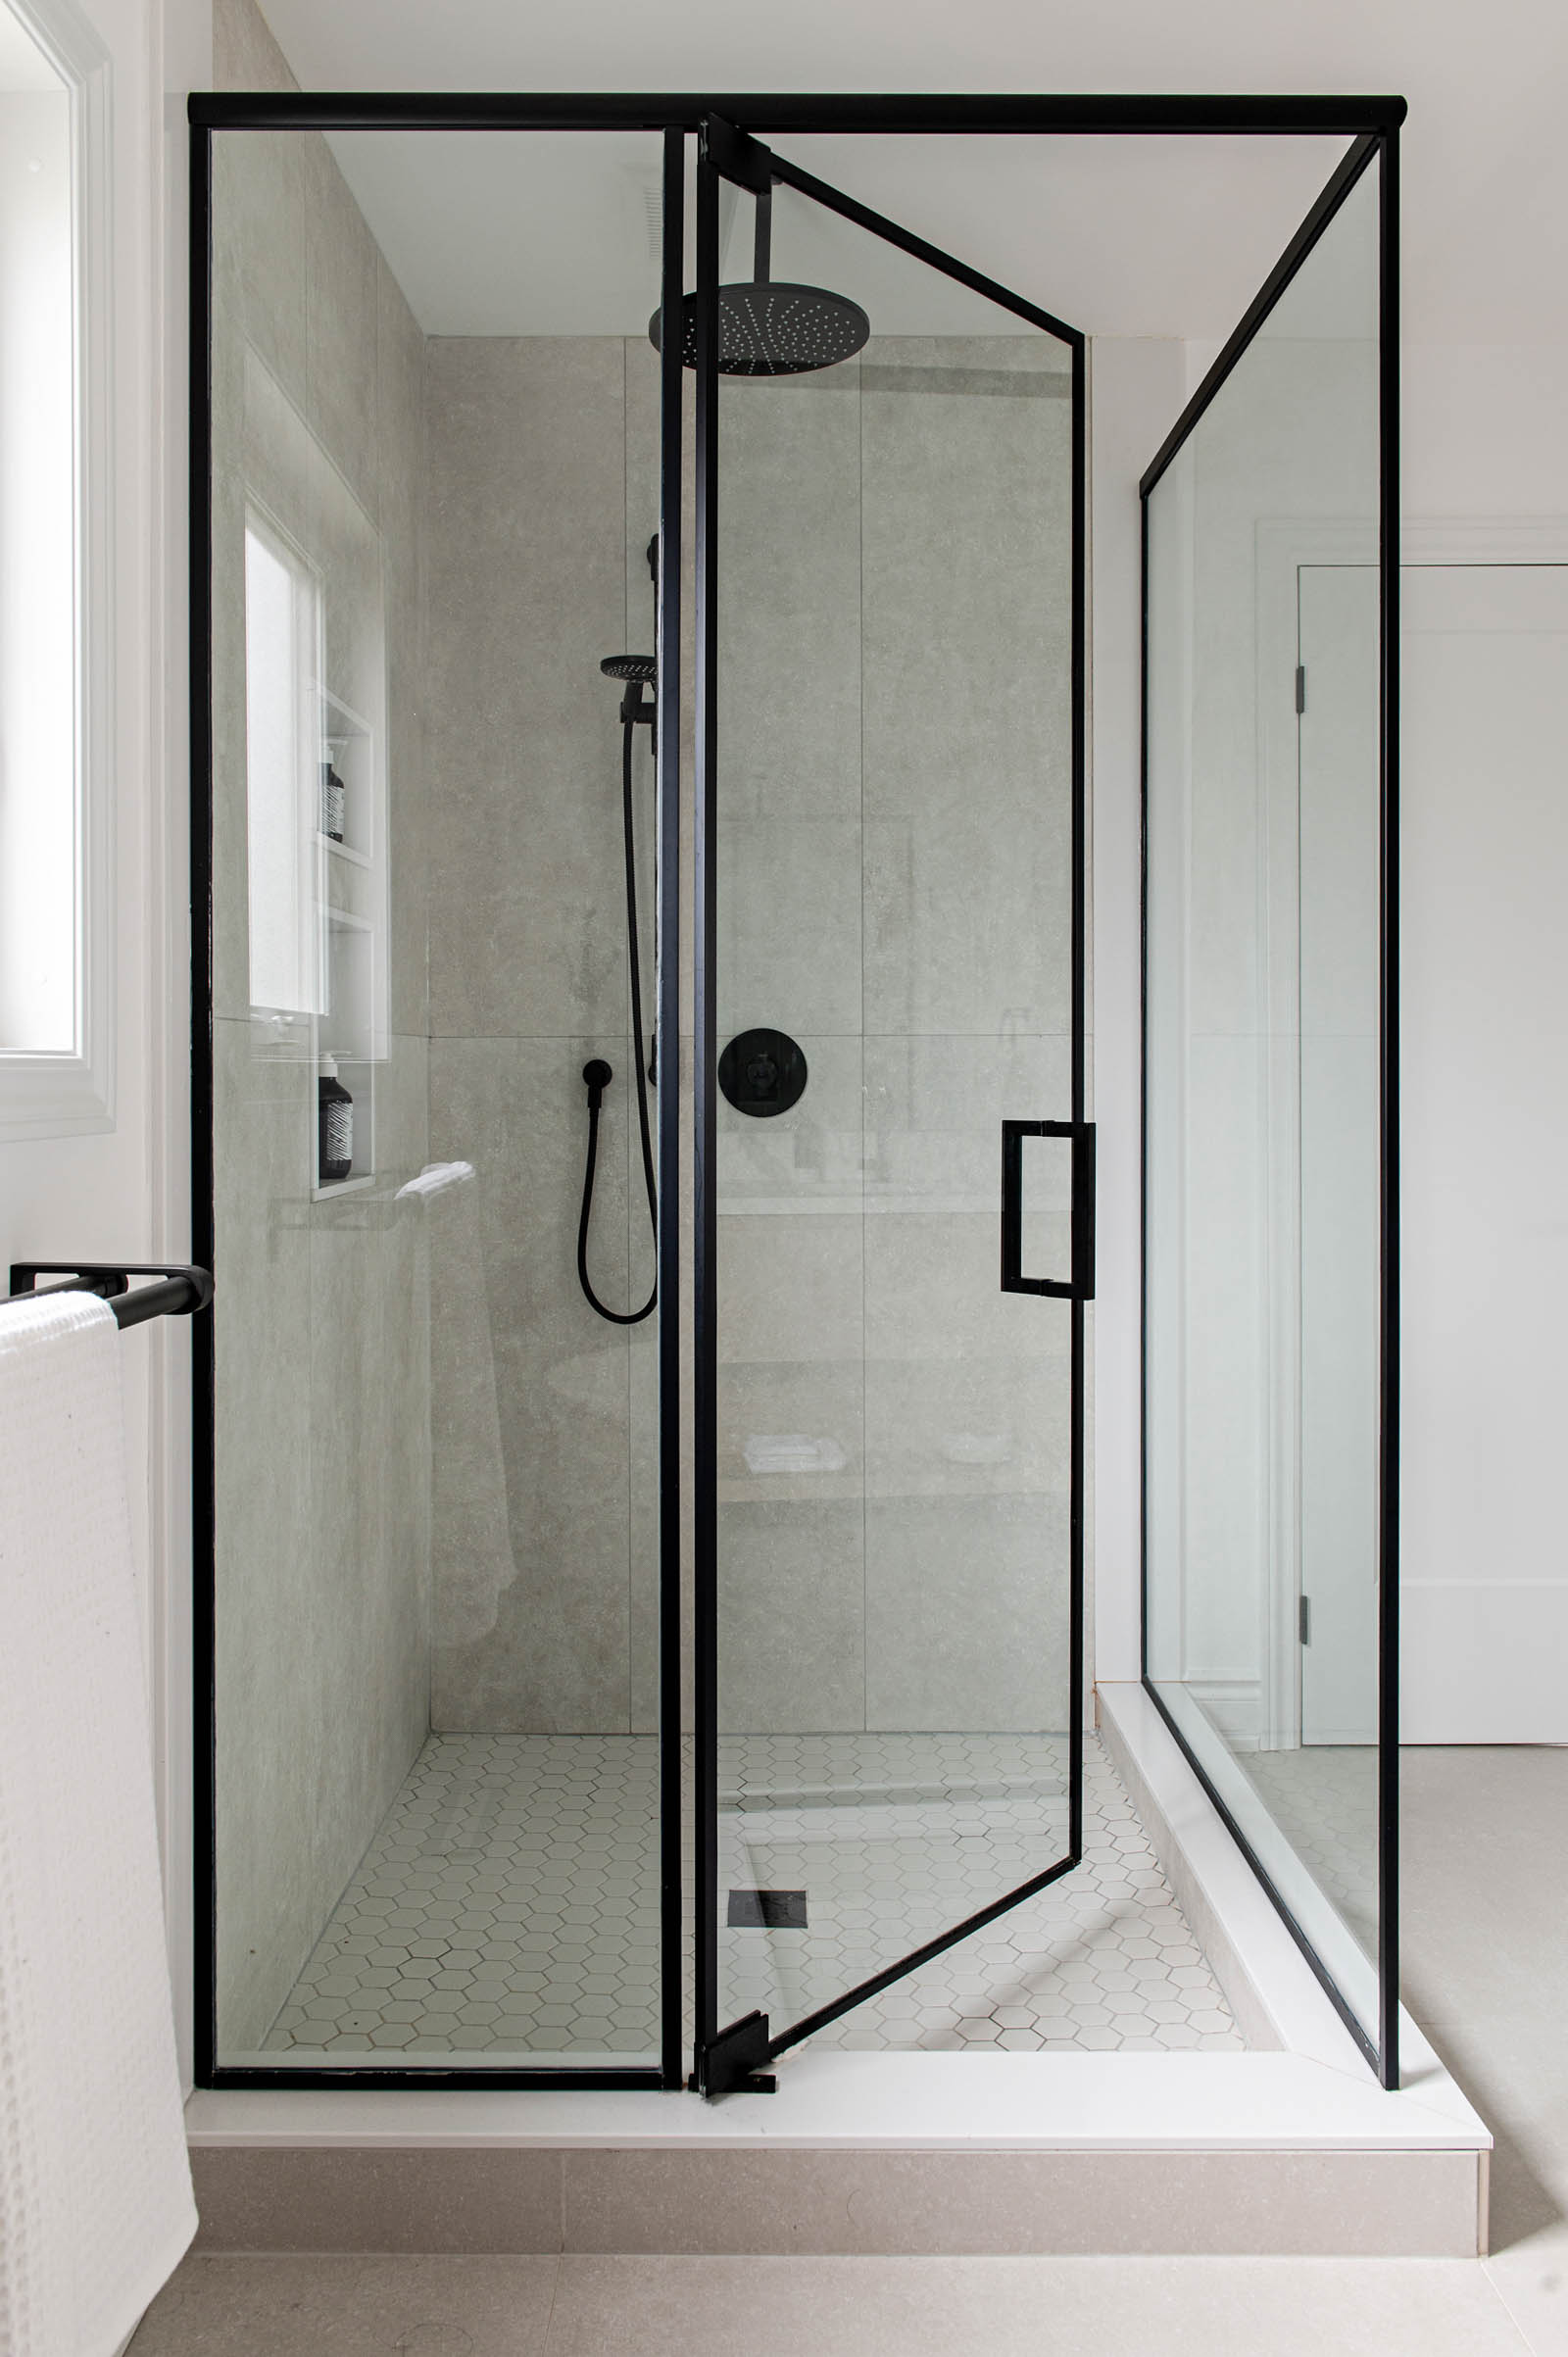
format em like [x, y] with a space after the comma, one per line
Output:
[245, 56]
[342, 296]
[789, 1288]
[269, 2198]
[1028, 2307]
[791, 1616]
[1531, 2276]
[532, 1391]
[262, 1570]
[810, 1155]
[1019, 2204]
[290, 2306]
[967, 752]
[789, 659]
[525, 579]
[966, 1612]
[789, 952]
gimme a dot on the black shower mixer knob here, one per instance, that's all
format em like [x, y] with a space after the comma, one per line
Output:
[762, 1072]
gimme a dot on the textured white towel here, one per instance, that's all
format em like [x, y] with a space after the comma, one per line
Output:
[95, 2194]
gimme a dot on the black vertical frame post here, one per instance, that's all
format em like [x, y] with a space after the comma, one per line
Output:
[1388, 1114]
[672, 388]
[705, 944]
[1076, 1633]
[204, 1812]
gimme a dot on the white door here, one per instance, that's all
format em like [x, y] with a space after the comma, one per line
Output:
[1340, 1153]
[1485, 1130]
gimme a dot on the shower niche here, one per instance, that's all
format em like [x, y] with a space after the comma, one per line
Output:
[314, 785]
[349, 1030]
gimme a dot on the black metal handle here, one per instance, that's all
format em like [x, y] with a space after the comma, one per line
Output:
[182, 1292]
[1080, 1285]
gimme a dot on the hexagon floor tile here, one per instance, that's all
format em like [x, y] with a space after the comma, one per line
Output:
[508, 1903]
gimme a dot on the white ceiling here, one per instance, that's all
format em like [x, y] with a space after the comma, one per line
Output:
[554, 233]
[1121, 236]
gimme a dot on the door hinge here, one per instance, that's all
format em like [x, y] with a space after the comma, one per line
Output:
[735, 2063]
[1303, 1618]
[1300, 687]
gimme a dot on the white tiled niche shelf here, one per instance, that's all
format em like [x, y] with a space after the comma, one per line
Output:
[509, 1904]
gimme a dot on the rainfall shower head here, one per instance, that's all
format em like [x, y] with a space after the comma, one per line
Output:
[629, 667]
[769, 327]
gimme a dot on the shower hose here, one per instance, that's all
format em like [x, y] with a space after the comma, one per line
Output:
[598, 1073]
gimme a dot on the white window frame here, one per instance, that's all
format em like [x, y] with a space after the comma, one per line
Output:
[69, 1093]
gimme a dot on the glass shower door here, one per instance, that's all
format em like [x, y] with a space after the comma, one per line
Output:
[894, 1210]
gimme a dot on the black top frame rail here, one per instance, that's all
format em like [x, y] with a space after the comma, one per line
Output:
[1377, 145]
[1261, 114]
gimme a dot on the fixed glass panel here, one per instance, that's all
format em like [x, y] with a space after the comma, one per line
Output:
[435, 489]
[894, 848]
[1264, 1103]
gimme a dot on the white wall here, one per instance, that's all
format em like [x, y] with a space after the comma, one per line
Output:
[123, 1194]
[1481, 440]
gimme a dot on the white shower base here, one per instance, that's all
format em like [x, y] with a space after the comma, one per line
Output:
[1288, 2146]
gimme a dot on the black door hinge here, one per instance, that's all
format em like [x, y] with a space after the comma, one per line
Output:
[731, 2065]
[1300, 687]
[1303, 1619]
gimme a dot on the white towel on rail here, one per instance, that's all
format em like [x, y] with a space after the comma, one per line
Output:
[95, 2192]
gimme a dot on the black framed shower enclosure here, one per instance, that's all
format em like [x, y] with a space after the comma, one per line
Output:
[729, 132]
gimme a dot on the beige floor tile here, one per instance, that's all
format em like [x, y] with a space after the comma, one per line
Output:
[1532, 2277]
[1028, 2308]
[352, 2307]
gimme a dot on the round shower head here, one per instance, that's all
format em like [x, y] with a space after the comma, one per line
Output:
[767, 327]
[629, 667]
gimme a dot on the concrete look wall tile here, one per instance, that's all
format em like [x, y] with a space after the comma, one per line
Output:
[267, 1903]
[967, 638]
[966, 1613]
[322, 1344]
[789, 568]
[530, 1392]
[791, 1616]
[525, 578]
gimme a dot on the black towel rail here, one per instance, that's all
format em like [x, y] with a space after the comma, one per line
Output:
[179, 1293]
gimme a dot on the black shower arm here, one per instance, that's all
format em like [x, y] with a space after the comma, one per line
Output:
[736, 156]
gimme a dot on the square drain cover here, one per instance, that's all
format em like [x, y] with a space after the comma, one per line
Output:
[768, 1910]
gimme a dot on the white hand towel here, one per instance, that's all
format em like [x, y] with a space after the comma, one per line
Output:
[95, 2192]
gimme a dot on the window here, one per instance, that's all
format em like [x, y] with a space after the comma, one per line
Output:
[55, 954]
[283, 762]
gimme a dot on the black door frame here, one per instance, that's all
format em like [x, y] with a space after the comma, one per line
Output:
[732, 2058]
[673, 116]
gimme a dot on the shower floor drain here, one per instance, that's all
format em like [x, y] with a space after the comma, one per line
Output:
[768, 1910]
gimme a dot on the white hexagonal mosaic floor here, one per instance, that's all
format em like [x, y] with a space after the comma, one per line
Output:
[509, 1904]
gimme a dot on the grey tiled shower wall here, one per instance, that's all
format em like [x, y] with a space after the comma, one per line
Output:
[893, 890]
[321, 1334]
